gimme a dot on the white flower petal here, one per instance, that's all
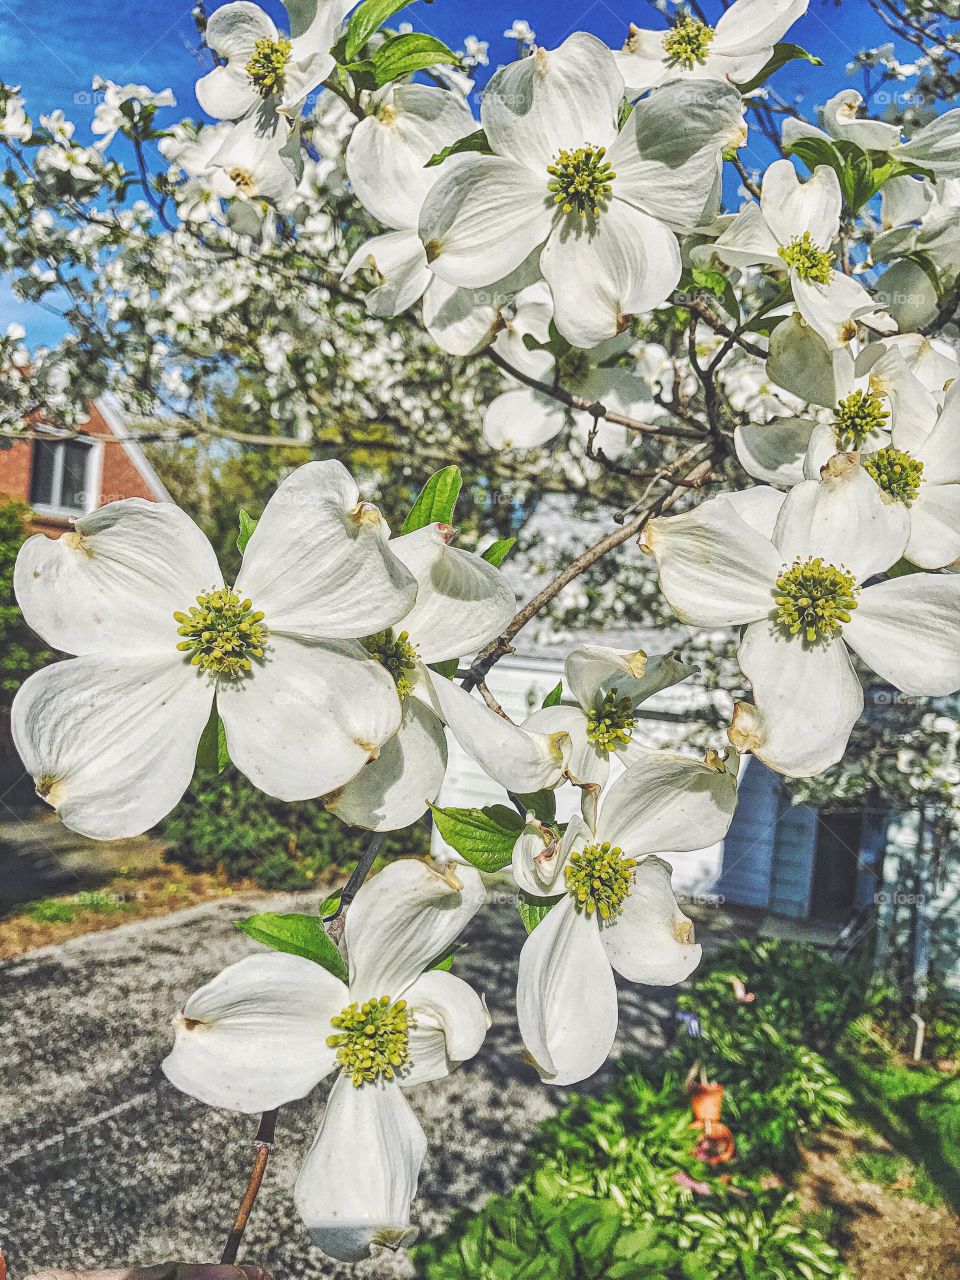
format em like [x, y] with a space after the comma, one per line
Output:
[641, 61]
[518, 760]
[936, 146]
[600, 271]
[309, 716]
[792, 207]
[461, 321]
[833, 309]
[400, 260]
[226, 93]
[483, 218]
[114, 582]
[233, 30]
[556, 100]
[714, 569]
[807, 701]
[255, 1037]
[842, 121]
[360, 1176]
[462, 600]
[538, 860]
[651, 940]
[935, 527]
[392, 791]
[668, 801]
[585, 763]
[758, 506]
[402, 920]
[747, 241]
[800, 361]
[751, 25]
[318, 563]
[450, 1024]
[844, 519]
[907, 630]
[593, 671]
[111, 742]
[566, 996]
[522, 419]
[774, 451]
[940, 451]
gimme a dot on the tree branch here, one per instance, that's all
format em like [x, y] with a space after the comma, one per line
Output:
[262, 1143]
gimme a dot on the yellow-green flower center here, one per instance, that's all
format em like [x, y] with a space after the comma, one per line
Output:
[810, 262]
[267, 65]
[397, 654]
[687, 44]
[611, 723]
[859, 416]
[814, 599]
[222, 632]
[373, 1039]
[581, 181]
[896, 473]
[599, 878]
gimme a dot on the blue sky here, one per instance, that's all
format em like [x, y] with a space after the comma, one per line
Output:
[54, 50]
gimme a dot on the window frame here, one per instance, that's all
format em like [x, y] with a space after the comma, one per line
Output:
[92, 475]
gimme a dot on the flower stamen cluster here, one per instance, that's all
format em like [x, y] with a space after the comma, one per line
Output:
[687, 44]
[896, 473]
[222, 632]
[810, 262]
[267, 65]
[397, 654]
[814, 599]
[373, 1039]
[599, 878]
[581, 181]
[858, 416]
[611, 723]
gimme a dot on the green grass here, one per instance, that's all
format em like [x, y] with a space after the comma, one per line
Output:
[897, 1174]
[66, 910]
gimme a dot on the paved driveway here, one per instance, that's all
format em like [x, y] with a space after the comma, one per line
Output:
[104, 1162]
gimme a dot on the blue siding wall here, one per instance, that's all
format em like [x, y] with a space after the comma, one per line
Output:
[748, 849]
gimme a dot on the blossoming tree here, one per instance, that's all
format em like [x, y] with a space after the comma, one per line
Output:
[583, 285]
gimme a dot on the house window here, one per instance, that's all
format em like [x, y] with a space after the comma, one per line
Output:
[60, 478]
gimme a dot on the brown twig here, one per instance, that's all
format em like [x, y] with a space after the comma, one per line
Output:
[262, 1143]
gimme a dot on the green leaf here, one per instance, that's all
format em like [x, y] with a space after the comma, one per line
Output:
[445, 961]
[498, 551]
[532, 910]
[720, 286]
[485, 837]
[436, 501]
[541, 803]
[472, 142]
[212, 754]
[403, 55]
[447, 669]
[247, 526]
[298, 935]
[816, 151]
[368, 18]
[782, 54]
[553, 697]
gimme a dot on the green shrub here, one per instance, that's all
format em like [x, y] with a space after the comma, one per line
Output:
[52, 911]
[20, 651]
[225, 824]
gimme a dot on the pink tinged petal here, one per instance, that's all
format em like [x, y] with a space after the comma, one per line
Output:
[450, 1023]
[359, 1179]
[602, 270]
[483, 218]
[402, 920]
[255, 1037]
[714, 569]
[400, 260]
[935, 527]
[807, 701]
[392, 791]
[555, 100]
[517, 759]
[651, 940]
[668, 801]
[522, 419]
[115, 581]
[388, 151]
[112, 742]
[462, 600]
[226, 93]
[309, 716]
[749, 25]
[908, 631]
[791, 207]
[844, 519]
[566, 996]
[318, 563]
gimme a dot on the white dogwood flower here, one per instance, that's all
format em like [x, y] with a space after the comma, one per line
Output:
[109, 119]
[842, 122]
[264, 67]
[791, 232]
[797, 571]
[135, 591]
[608, 685]
[597, 206]
[735, 50]
[462, 602]
[618, 911]
[268, 1029]
[14, 122]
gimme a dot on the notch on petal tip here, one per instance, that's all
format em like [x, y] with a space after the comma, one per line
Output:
[366, 513]
[447, 532]
[840, 465]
